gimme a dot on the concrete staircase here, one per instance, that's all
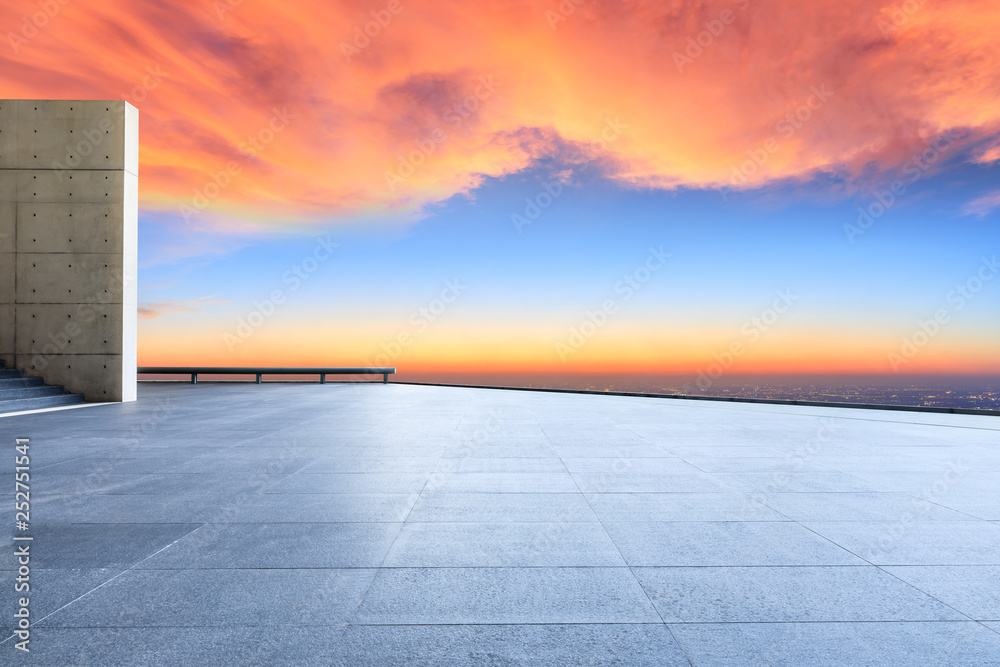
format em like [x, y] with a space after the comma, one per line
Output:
[19, 393]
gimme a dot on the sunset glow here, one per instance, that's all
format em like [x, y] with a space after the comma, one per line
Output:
[535, 186]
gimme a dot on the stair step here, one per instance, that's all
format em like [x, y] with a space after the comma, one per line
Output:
[16, 383]
[19, 393]
[40, 402]
[31, 392]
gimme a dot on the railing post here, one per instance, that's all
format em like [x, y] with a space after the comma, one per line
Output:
[322, 378]
[194, 378]
[385, 378]
[258, 378]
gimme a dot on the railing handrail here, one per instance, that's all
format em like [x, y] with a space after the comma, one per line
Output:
[259, 371]
[270, 370]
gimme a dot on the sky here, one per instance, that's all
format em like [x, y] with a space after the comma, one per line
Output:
[551, 188]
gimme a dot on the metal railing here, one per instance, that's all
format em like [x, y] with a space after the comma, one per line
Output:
[195, 371]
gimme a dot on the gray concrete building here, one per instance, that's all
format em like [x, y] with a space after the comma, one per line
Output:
[68, 243]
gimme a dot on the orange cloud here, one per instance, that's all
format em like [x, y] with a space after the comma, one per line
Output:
[282, 114]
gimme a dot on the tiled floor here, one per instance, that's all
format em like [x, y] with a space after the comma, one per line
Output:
[306, 524]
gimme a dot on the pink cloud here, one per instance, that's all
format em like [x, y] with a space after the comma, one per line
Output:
[152, 310]
[983, 205]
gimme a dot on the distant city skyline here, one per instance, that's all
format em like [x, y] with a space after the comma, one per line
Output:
[550, 190]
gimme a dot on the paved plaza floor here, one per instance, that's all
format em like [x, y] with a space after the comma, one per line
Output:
[370, 524]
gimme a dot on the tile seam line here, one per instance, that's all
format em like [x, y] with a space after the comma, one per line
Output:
[508, 567]
[881, 568]
[385, 557]
[656, 624]
[972, 517]
[622, 556]
[281, 478]
[521, 623]
[104, 583]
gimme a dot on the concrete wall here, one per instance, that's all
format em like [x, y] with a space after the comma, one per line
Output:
[68, 243]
